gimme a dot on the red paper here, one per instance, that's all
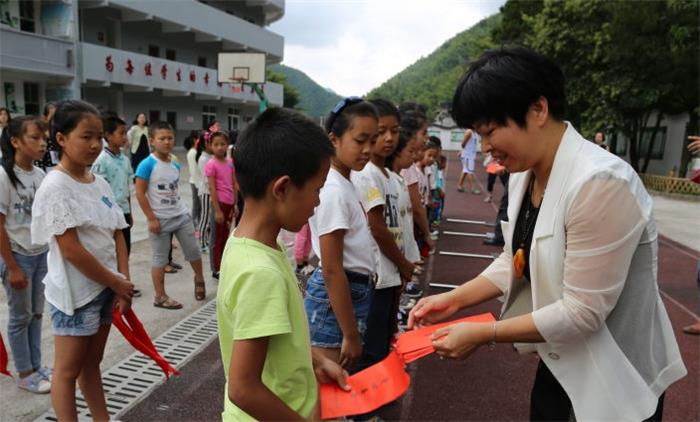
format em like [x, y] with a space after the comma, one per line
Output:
[415, 344]
[3, 358]
[494, 168]
[371, 389]
[132, 330]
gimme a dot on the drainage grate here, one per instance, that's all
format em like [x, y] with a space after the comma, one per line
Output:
[132, 379]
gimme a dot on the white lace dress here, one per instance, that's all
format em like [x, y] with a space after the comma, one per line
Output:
[62, 203]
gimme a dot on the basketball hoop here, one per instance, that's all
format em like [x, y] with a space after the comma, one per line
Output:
[237, 84]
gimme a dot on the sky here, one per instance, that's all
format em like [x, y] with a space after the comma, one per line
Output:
[352, 46]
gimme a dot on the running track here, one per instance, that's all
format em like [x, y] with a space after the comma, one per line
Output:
[491, 385]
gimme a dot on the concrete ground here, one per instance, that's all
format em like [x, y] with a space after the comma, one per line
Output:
[491, 385]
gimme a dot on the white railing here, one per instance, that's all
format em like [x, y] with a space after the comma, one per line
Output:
[26, 51]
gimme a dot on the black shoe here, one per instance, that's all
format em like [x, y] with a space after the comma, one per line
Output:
[494, 242]
[215, 274]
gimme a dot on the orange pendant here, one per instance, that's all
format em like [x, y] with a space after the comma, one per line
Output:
[519, 263]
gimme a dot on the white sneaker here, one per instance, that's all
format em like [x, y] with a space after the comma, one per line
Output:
[34, 383]
[45, 372]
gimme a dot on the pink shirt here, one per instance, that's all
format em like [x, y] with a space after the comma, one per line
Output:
[223, 173]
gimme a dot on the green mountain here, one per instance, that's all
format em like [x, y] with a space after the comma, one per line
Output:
[314, 100]
[431, 80]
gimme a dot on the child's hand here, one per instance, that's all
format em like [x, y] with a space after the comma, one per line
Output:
[219, 217]
[406, 271]
[124, 289]
[154, 226]
[329, 372]
[429, 240]
[350, 350]
[17, 278]
[123, 305]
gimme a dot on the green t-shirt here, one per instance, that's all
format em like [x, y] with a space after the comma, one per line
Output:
[259, 296]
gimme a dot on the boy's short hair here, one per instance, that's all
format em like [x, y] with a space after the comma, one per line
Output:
[503, 83]
[159, 125]
[111, 121]
[434, 139]
[279, 142]
[431, 145]
[386, 108]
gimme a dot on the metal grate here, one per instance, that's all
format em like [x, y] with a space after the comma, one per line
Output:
[131, 380]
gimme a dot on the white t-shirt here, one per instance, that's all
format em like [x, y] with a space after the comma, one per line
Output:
[375, 190]
[203, 187]
[163, 193]
[195, 172]
[341, 209]
[410, 247]
[469, 150]
[62, 203]
[414, 175]
[16, 205]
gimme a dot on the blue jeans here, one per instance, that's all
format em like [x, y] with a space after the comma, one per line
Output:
[26, 308]
[324, 328]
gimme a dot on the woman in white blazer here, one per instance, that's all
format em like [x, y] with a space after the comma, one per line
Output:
[578, 270]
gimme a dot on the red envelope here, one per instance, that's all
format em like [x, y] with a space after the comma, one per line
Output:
[132, 330]
[372, 388]
[415, 344]
[494, 168]
[3, 358]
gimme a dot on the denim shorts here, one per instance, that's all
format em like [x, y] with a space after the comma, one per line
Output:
[323, 325]
[85, 320]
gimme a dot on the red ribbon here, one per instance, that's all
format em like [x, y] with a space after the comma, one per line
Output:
[132, 330]
[3, 358]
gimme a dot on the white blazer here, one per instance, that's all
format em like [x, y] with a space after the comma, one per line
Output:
[593, 293]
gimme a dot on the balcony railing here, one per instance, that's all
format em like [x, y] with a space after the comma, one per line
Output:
[29, 52]
[106, 65]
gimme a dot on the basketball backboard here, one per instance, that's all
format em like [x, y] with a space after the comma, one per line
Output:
[242, 68]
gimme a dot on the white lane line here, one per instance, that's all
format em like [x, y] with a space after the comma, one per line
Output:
[680, 305]
[466, 234]
[459, 220]
[466, 255]
[671, 245]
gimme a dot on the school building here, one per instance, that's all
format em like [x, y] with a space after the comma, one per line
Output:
[153, 56]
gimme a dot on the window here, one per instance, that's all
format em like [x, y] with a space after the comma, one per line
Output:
[434, 132]
[154, 51]
[26, 16]
[171, 117]
[456, 136]
[170, 54]
[31, 98]
[208, 115]
[153, 116]
[202, 61]
[234, 120]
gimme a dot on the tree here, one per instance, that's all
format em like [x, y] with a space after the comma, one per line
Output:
[291, 95]
[628, 64]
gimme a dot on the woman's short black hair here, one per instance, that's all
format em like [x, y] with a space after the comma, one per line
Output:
[503, 83]
[279, 142]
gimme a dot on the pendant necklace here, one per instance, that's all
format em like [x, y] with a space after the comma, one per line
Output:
[519, 259]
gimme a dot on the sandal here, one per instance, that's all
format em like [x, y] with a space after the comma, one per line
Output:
[169, 269]
[693, 330]
[200, 290]
[166, 302]
[175, 265]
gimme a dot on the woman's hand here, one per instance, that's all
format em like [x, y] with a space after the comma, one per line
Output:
[123, 305]
[694, 144]
[432, 309]
[458, 341]
[124, 289]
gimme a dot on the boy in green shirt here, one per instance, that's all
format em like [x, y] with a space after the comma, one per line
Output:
[282, 160]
